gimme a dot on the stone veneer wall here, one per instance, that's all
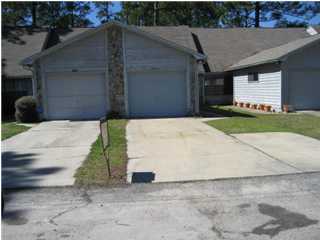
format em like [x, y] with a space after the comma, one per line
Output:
[115, 70]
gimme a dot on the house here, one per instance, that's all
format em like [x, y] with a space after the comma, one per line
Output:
[18, 43]
[285, 75]
[148, 71]
[227, 46]
[116, 68]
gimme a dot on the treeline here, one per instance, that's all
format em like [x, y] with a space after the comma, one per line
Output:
[194, 14]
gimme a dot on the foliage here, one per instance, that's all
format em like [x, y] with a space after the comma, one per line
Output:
[104, 13]
[94, 169]
[218, 14]
[53, 14]
[194, 14]
[26, 110]
[242, 121]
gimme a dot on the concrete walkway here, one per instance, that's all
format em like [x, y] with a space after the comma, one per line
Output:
[298, 151]
[184, 149]
[47, 154]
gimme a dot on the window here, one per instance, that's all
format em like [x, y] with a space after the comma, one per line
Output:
[253, 77]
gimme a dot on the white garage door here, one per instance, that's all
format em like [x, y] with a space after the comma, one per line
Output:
[76, 95]
[304, 89]
[157, 94]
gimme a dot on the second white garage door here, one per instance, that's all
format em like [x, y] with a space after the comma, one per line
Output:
[157, 94]
[76, 95]
[304, 89]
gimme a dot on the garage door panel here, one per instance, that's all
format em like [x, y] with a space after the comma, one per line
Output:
[304, 89]
[75, 85]
[153, 94]
[75, 101]
[76, 95]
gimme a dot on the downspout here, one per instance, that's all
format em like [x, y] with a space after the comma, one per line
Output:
[197, 84]
[30, 68]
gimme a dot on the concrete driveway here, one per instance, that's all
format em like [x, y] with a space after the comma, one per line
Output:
[187, 149]
[298, 151]
[48, 154]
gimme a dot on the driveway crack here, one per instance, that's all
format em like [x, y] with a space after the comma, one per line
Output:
[87, 200]
[265, 153]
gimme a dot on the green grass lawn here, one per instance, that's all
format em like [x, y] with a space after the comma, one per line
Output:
[242, 121]
[94, 170]
[9, 129]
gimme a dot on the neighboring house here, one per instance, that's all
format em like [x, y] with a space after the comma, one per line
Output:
[146, 71]
[227, 46]
[17, 44]
[285, 75]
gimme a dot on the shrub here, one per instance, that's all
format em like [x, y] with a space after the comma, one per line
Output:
[26, 110]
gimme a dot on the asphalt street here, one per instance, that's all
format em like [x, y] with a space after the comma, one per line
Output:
[274, 207]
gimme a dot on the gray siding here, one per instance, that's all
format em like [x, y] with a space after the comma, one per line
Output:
[145, 54]
[266, 91]
[86, 53]
[301, 74]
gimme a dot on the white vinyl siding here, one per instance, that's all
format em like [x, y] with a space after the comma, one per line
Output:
[267, 90]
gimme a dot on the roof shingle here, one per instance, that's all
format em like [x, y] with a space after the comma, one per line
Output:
[275, 54]
[225, 47]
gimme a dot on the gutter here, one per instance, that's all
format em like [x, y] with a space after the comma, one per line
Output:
[253, 65]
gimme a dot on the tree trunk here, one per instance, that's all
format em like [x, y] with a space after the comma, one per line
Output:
[34, 14]
[257, 14]
[106, 9]
[247, 18]
[155, 13]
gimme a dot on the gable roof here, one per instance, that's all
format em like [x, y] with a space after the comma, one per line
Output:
[277, 53]
[148, 34]
[225, 47]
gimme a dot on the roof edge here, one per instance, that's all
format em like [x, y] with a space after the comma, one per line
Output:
[279, 58]
[252, 65]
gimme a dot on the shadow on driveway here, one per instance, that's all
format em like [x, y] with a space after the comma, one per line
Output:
[17, 173]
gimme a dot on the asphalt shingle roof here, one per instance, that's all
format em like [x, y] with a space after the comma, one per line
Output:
[225, 47]
[276, 53]
[177, 34]
[19, 43]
